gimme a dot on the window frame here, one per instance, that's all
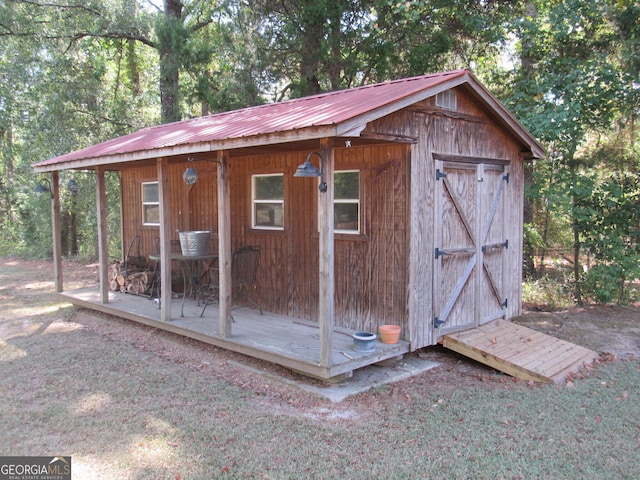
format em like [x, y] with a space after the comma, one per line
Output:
[357, 201]
[255, 202]
[145, 204]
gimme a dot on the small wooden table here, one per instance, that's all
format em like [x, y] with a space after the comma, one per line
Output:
[190, 273]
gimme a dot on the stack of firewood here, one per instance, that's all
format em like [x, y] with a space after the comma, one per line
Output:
[128, 278]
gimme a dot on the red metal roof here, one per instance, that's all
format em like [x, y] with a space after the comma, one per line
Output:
[317, 115]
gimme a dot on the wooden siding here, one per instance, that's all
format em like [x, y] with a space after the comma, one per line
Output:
[469, 132]
[371, 275]
[384, 275]
[370, 268]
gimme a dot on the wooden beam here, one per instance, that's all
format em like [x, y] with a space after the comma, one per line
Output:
[388, 137]
[224, 243]
[165, 239]
[56, 231]
[470, 160]
[326, 307]
[103, 254]
[431, 110]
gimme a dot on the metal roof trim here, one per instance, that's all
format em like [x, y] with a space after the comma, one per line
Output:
[311, 133]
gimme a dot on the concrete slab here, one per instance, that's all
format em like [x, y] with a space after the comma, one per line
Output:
[363, 379]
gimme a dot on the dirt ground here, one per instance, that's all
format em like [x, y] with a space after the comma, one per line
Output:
[612, 331]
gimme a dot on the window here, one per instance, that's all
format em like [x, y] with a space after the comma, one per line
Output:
[346, 204]
[150, 204]
[268, 201]
[446, 99]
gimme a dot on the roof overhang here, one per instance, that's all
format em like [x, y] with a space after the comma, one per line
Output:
[190, 149]
[341, 120]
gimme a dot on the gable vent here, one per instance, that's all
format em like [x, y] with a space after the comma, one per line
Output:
[447, 100]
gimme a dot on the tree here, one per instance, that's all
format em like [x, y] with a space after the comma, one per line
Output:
[321, 45]
[567, 89]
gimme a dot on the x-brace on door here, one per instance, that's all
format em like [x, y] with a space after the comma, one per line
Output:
[470, 239]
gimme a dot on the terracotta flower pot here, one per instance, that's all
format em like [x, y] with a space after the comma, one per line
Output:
[389, 333]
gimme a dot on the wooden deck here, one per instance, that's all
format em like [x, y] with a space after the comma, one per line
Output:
[520, 351]
[286, 341]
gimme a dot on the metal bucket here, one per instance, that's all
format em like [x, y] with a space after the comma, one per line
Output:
[194, 243]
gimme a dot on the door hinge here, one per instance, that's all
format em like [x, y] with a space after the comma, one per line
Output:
[506, 178]
[440, 253]
[440, 174]
[505, 303]
[437, 322]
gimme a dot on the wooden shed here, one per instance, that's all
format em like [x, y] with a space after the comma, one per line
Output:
[420, 225]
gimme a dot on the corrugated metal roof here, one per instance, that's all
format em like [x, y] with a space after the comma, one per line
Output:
[326, 111]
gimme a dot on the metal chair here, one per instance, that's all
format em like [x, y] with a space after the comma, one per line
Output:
[244, 269]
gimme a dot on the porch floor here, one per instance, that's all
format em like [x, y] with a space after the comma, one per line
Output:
[286, 341]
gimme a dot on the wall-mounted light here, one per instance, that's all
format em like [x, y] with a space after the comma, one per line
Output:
[190, 176]
[43, 186]
[308, 169]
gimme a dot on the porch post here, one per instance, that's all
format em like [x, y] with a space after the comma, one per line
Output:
[326, 307]
[103, 256]
[224, 244]
[55, 231]
[165, 239]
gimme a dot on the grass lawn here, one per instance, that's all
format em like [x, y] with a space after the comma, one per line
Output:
[124, 412]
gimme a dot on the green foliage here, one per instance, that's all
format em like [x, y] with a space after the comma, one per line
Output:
[62, 89]
[77, 74]
[547, 292]
[609, 220]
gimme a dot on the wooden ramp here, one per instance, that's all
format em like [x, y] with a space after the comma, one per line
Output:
[520, 351]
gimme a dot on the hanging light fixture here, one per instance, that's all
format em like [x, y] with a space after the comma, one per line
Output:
[190, 175]
[43, 186]
[308, 169]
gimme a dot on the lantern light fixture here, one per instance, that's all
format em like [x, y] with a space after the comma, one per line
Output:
[43, 186]
[73, 186]
[190, 175]
[308, 169]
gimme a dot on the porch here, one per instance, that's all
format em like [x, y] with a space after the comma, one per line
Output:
[287, 341]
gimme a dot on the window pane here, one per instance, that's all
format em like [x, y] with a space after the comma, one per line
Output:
[150, 192]
[347, 185]
[268, 187]
[269, 215]
[151, 213]
[346, 216]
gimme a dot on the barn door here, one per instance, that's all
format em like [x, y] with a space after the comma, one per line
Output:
[470, 244]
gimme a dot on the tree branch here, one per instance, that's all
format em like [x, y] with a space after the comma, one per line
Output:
[114, 35]
[57, 6]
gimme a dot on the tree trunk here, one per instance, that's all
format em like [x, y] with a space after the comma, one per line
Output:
[334, 66]
[170, 43]
[528, 64]
[577, 291]
[529, 267]
[8, 181]
[312, 35]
